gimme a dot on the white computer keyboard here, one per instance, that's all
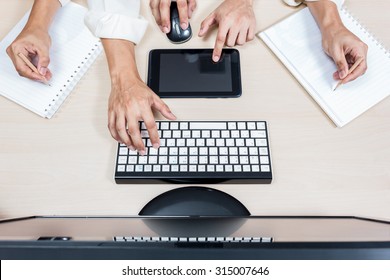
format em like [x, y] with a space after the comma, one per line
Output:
[199, 152]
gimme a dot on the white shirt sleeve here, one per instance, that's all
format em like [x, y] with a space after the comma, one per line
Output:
[116, 19]
[64, 2]
[339, 3]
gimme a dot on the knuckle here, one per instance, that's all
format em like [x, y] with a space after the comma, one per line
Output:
[111, 126]
[230, 44]
[120, 128]
[221, 38]
[181, 3]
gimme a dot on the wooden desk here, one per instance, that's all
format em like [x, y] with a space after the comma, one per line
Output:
[65, 165]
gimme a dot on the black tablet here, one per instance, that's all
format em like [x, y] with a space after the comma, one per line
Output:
[192, 73]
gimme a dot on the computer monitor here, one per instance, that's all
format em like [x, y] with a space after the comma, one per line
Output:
[135, 237]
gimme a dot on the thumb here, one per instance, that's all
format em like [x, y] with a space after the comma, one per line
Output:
[205, 25]
[341, 63]
[43, 61]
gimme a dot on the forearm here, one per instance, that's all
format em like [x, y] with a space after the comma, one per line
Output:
[326, 14]
[121, 61]
[42, 14]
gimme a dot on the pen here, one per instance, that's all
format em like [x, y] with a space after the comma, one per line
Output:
[32, 67]
[354, 66]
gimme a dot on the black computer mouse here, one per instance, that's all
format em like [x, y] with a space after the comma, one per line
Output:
[177, 35]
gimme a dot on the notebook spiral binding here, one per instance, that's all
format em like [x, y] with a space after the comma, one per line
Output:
[71, 82]
[373, 38]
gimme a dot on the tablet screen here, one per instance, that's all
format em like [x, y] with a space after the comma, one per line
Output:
[192, 73]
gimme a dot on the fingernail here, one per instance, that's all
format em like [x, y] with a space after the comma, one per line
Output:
[216, 58]
[165, 29]
[142, 153]
[156, 145]
[184, 25]
[132, 148]
[43, 71]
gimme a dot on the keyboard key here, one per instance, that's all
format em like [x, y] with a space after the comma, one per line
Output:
[246, 168]
[225, 134]
[253, 151]
[215, 134]
[174, 168]
[205, 133]
[232, 125]
[133, 160]
[263, 151]
[251, 125]
[186, 134]
[265, 168]
[176, 134]
[210, 142]
[219, 168]
[200, 142]
[264, 160]
[123, 151]
[164, 125]
[153, 159]
[228, 168]
[122, 159]
[183, 151]
[241, 125]
[260, 125]
[139, 168]
[258, 134]
[165, 168]
[174, 125]
[143, 160]
[121, 168]
[163, 151]
[167, 134]
[183, 125]
[192, 168]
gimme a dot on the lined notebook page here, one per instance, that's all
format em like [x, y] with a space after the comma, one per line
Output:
[73, 50]
[297, 43]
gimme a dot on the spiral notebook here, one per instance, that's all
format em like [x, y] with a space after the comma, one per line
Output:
[73, 51]
[296, 41]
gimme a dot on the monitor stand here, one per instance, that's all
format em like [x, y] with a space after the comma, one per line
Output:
[194, 201]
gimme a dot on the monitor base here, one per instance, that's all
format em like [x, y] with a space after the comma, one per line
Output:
[194, 201]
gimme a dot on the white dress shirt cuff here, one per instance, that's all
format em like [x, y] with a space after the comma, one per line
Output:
[64, 2]
[339, 3]
[116, 26]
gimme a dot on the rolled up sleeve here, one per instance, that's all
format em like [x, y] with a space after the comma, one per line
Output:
[116, 19]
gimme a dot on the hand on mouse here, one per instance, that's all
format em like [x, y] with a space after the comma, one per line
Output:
[161, 12]
[131, 100]
[236, 21]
